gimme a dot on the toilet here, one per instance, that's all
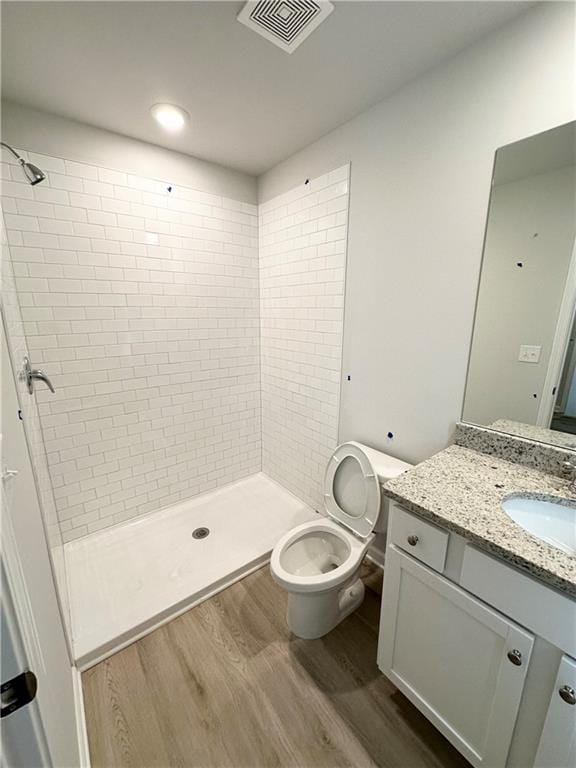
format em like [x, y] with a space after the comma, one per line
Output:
[318, 562]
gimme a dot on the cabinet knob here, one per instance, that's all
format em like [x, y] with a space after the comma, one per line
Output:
[567, 694]
[515, 657]
[412, 540]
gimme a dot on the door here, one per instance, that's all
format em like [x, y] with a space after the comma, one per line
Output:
[461, 663]
[567, 374]
[23, 741]
[557, 747]
[30, 582]
[559, 354]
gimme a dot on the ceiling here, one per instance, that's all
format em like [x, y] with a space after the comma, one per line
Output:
[251, 104]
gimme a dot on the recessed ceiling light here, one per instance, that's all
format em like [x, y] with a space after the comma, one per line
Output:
[169, 116]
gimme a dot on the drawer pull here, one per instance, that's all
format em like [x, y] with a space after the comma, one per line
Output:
[515, 657]
[412, 540]
[567, 694]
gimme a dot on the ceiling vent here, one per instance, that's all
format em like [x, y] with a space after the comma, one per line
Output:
[286, 23]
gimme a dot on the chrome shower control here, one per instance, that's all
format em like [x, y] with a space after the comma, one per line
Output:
[32, 374]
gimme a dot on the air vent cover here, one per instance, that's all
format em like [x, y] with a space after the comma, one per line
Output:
[286, 23]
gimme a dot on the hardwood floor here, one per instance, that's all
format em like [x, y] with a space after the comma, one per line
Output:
[226, 686]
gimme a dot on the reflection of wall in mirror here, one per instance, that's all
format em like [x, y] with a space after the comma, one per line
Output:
[529, 244]
[570, 409]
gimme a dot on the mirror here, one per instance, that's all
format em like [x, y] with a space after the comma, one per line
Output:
[521, 372]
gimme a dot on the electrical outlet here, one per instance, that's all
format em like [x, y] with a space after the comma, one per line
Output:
[529, 354]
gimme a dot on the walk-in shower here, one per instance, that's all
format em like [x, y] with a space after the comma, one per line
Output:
[34, 174]
[194, 343]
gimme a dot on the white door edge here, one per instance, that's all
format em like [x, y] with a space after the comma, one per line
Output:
[559, 346]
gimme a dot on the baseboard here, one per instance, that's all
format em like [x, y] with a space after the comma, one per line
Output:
[83, 748]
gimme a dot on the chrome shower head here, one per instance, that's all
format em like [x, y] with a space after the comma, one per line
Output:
[31, 171]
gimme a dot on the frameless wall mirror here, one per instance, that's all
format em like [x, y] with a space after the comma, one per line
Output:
[521, 373]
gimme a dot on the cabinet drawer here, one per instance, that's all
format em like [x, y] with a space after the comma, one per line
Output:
[422, 540]
[548, 613]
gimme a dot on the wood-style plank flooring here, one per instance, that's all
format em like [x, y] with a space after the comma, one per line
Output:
[226, 686]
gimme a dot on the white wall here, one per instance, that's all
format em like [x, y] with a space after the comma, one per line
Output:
[140, 301]
[60, 137]
[302, 272]
[420, 183]
[531, 223]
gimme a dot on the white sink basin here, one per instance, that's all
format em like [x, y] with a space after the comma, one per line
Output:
[550, 519]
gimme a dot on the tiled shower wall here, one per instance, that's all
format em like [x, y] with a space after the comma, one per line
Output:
[141, 302]
[302, 279]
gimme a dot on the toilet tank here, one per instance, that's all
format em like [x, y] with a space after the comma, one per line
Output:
[386, 468]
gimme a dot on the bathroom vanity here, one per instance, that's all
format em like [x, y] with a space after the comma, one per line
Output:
[478, 623]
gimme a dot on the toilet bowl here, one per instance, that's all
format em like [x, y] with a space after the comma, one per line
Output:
[318, 562]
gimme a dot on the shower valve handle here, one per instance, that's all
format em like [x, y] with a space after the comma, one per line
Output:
[32, 374]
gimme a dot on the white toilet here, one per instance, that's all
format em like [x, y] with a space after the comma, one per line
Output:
[317, 563]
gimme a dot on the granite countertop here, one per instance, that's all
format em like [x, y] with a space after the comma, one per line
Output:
[461, 490]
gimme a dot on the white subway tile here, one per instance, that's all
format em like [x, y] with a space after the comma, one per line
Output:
[112, 177]
[98, 188]
[20, 223]
[49, 195]
[82, 200]
[69, 213]
[81, 170]
[149, 315]
[56, 227]
[17, 189]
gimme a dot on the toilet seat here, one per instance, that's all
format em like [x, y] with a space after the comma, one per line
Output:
[352, 490]
[322, 581]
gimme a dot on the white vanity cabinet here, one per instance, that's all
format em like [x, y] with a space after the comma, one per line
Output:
[462, 663]
[557, 745]
[479, 647]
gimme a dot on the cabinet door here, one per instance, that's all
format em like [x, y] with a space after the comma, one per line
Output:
[461, 663]
[557, 748]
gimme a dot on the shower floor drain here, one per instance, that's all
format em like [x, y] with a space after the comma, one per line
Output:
[200, 533]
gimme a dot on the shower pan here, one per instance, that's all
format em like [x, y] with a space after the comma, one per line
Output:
[129, 579]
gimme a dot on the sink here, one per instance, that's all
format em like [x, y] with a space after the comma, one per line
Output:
[548, 518]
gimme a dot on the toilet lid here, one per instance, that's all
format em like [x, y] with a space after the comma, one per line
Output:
[352, 489]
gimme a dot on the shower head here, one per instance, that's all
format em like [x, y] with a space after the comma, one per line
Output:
[34, 174]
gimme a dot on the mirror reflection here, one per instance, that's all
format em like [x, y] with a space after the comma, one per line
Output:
[521, 375]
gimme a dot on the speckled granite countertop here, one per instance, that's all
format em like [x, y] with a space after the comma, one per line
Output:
[461, 490]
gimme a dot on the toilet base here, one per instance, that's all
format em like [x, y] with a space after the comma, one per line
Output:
[313, 614]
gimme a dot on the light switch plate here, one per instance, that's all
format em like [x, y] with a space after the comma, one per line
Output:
[529, 354]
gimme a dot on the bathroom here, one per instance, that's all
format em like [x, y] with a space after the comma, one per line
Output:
[288, 297]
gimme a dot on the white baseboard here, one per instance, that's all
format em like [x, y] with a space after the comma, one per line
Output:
[83, 748]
